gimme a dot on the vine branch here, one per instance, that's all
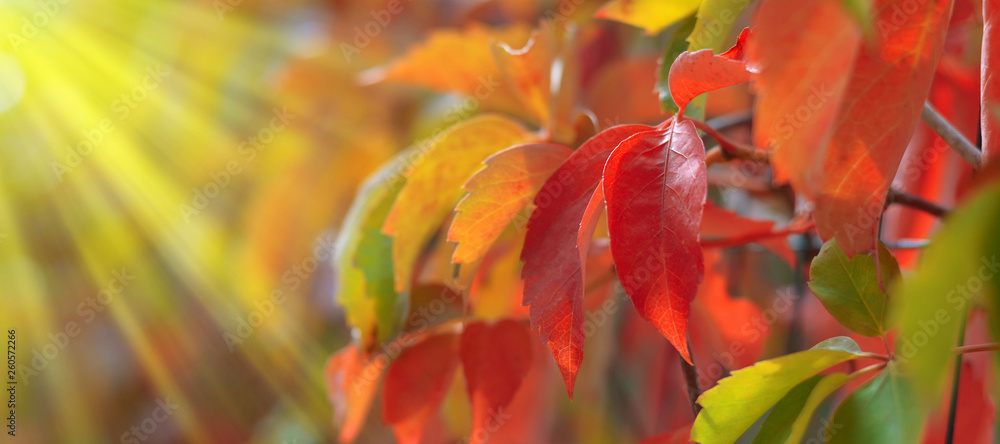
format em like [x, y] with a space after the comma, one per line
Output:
[691, 378]
[915, 202]
[951, 136]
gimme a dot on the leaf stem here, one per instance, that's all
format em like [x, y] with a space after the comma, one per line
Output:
[951, 136]
[915, 202]
[962, 349]
[691, 378]
[729, 149]
[869, 369]
[754, 237]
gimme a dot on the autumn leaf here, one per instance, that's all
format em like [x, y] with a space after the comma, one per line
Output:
[850, 288]
[990, 91]
[351, 382]
[495, 359]
[881, 410]
[552, 272]
[651, 15]
[679, 436]
[804, 51]
[718, 222]
[675, 47]
[527, 71]
[698, 72]
[655, 185]
[416, 383]
[715, 19]
[868, 139]
[505, 69]
[724, 318]
[497, 193]
[732, 406]
[434, 184]
[365, 287]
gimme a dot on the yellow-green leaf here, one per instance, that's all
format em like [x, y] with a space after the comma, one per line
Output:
[732, 406]
[962, 260]
[434, 184]
[650, 15]
[790, 418]
[849, 288]
[364, 283]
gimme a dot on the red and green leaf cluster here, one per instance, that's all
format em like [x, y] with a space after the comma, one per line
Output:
[446, 245]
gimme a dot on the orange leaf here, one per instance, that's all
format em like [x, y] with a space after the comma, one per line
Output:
[351, 383]
[696, 73]
[803, 50]
[880, 111]
[497, 193]
[434, 185]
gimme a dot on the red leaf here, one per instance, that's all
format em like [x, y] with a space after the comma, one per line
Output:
[679, 436]
[725, 320]
[351, 382]
[990, 95]
[495, 359]
[695, 73]
[552, 272]
[880, 111]
[655, 184]
[804, 50]
[722, 223]
[416, 384]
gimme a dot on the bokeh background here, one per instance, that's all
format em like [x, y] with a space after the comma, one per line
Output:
[172, 177]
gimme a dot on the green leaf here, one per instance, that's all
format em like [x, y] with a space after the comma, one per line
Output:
[777, 426]
[790, 419]
[962, 260]
[849, 288]
[361, 258]
[676, 45]
[880, 411]
[732, 406]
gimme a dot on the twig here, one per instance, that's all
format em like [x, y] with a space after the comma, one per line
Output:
[915, 202]
[691, 378]
[730, 148]
[949, 436]
[993, 346]
[754, 237]
[952, 137]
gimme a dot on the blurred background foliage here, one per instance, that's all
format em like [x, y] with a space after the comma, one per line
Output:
[172, 172]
